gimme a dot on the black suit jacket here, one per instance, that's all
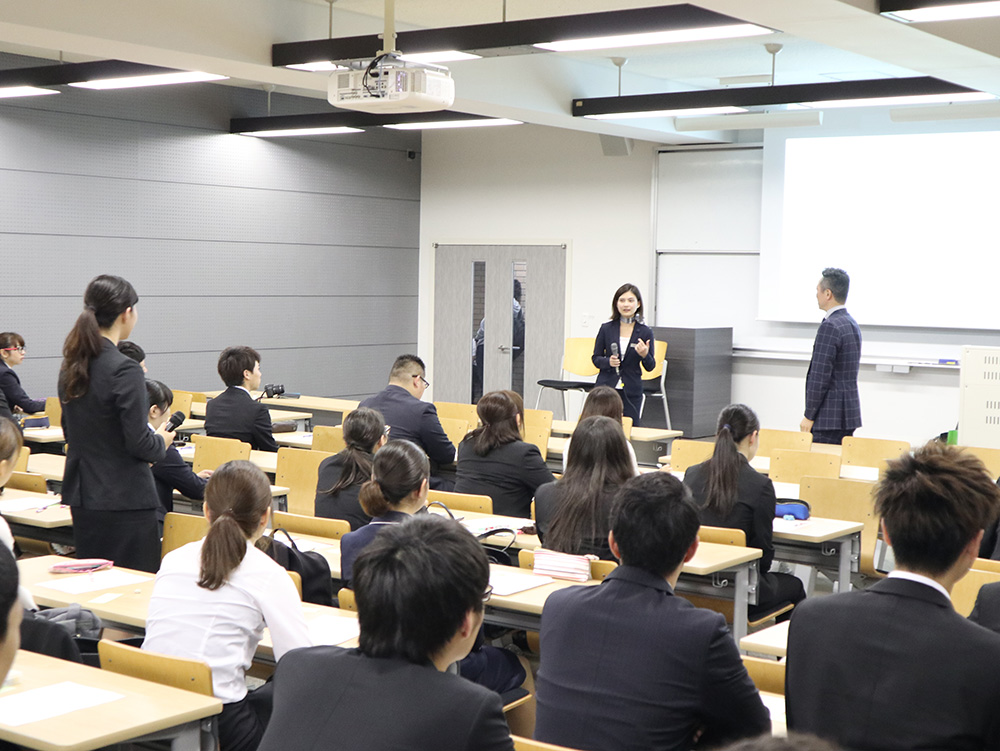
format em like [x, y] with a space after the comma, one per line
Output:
[5, 409]
[110, 445]
[173, 473]
[342, 505]
[328, 698]
[892, 667]
[410, 419]
[987, 609]
[10, 384]
[629, 371]
[629, 666]
[509, 474]
[236, 414]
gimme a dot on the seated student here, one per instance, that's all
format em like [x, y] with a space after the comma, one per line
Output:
[213, 598]
[171, 472]
[493, 460]
[12, 354]
[393, 691]
[733, 494]
[573, 515]
[628, 664]
[234, 413]
[11, 611]
[134, 352]
[340, 477]
[602, 401]
[894, 666]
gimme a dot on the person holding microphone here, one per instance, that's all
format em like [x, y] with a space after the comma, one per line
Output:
[621, 345]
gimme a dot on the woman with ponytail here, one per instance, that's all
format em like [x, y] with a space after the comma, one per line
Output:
[108, 484]
[213, 599]
[397, 489]
[733, 494]
[341, 476]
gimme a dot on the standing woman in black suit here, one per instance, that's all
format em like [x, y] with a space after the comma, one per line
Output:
[108, 484]
[621, 345]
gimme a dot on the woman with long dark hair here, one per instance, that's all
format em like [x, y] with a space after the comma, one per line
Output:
[573, 514]
[621, 345]
[733, 494]
[493, 460]
[213, 599]
[108, 484]
[341, 476]
[11, 355]
[602, 401]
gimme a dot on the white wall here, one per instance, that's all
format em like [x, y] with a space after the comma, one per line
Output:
[532, 184]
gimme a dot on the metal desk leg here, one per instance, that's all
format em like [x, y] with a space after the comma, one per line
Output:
[740, 603]
[844, 574]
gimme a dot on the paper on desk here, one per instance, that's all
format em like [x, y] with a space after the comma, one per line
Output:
[510, 583]
[80, 583]
[482, 526]
[789, 525]
[332, 629]
[51, 701]
[28, 502]
[307, 545]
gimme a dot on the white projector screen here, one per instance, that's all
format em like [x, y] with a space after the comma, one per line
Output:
[914, 219]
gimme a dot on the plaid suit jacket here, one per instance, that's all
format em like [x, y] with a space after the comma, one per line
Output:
[832, 399]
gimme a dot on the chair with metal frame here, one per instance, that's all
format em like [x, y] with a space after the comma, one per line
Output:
[577, 361]
[654, 383]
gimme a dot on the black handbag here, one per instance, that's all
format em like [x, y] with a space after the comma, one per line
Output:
[312, 568]
[495, 553]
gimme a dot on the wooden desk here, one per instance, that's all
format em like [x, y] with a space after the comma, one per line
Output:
[266, 460]
[771, 641]
[52, 434]
[318, 617]
[325, 410]
[46, 520]
[817, 542]
[474, 521]
[139, 708]
[50, 466]
[191, 425]
[300, 439]
[644, 441]
[566, 427]
[277, 415]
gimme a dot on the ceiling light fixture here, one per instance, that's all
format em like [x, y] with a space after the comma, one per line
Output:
[669, 113]
[280, 133]
[8, 92]
[484, 123]
[157, 79]
[897, 101]
[750, 121]
[350, 122]
[921, 11]
[100, 74]
[949, 112]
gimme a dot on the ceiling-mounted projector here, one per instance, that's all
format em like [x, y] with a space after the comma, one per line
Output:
[390, 85]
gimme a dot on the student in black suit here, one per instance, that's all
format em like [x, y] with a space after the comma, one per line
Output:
[494, 461]
[234, 413]
[11, 354]
[410, 419]
[633, 341]
[5, 409]
[108, 484]
[172, 472]
[733, 494]
[628, 664]
[894, 666]
[392, 692]
[134, 351]
[11, 612]
[340, 477]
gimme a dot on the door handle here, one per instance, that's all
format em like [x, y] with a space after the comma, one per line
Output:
[506, 350]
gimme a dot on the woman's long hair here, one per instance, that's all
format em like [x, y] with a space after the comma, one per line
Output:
[362, 430]
[598, 462]
[237, 495]
[736, 422]
[498, 414]
[615, 313]
[400, 467]
[603, 401]
[106, 298]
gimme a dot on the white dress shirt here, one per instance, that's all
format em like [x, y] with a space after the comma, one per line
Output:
[920, 579]
[223, 626]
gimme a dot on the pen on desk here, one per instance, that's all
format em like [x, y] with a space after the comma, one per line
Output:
[57, 502]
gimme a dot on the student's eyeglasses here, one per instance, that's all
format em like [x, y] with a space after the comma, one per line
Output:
[427, 384]
[14, 349]
[487, 594]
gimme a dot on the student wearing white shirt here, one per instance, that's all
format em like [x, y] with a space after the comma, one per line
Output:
[213, 598]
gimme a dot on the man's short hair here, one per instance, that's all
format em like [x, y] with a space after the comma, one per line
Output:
[654, 521]
[8, 588]
[233, 361]
[933, 503]
[403, 367]
[414, 585]
[791, 742]
[838, 282]
[131, 350]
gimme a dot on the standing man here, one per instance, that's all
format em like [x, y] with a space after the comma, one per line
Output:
[833, 405]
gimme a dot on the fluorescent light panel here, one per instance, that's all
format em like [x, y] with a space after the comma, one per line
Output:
[159, 79]
[656, 37]
[9, 92]
[668, 113]
[442, 56]
[750, 121]
[946, 12]
[300, 132]
[320, 66]
[947, 112]
[485, 123]
[891, 101]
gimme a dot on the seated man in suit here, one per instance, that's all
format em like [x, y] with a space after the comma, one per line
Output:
[410, 419]
[234, 413]
[894, 666]
[134, 351]
[420, 589]
[630, 665]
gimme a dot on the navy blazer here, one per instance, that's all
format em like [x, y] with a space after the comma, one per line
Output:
[410, 419]
[10, 384]
[354, 542]
[892, 667]
[236, 414]
[628, 666]
[631, 375]
[832, 399]
[173, 473]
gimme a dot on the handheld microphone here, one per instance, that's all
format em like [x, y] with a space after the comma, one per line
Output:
[175, 421]
[614, 353]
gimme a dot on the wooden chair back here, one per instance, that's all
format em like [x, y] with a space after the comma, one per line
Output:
[316, 526]
[986, 564]
[455, 429]
[770, 439]
[989, 457]
[723, 536]
[180, 529]
[767, 675]
[541, 418]
[190, 675]
[686, 453]
[847, 500]
[965, 592]
[871, 452]
[182, 402]
[527, 744]
[345, 599]
[328, 438]
[298, 470]
[789, 465]
[27, 481]
[482, 504]
[458, 411]
[212, 453]
[577, 354]
[538, 435]
[296, 581]
[627, 427]
[21, 465]
[598, 569]
[196, 396]
[53, 410]
[659, 357]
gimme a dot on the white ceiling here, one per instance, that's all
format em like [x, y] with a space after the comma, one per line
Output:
[823, 40]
